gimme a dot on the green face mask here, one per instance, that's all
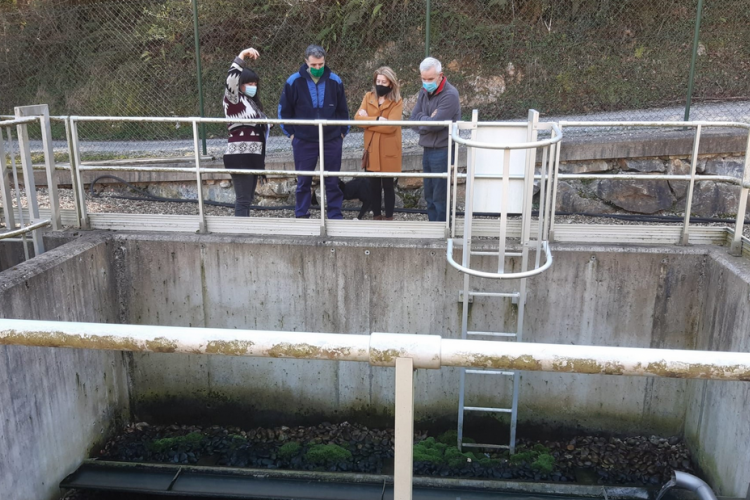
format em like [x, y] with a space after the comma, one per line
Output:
[317, 73]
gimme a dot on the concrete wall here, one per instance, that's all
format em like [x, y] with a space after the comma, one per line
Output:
[55, 404]
[592, 295]
[717, 426]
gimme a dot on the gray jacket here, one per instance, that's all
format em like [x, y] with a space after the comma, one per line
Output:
[448, 108]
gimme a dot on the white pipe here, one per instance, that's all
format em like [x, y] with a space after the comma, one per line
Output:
[382, 349]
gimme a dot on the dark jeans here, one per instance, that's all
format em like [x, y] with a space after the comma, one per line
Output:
[435, 161]
[305, 158]
[244, 185]
[384, 184]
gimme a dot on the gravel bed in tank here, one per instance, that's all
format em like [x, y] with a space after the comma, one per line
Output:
[345, 447]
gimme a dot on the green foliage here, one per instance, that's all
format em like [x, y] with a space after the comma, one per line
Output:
[325, 454]
[182, 443]
[538, 457]
[430, 450]
[544, 463]
[289, 450]
[443, 450]
[137, 58]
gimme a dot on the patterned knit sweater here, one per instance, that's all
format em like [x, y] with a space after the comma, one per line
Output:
[243, 138]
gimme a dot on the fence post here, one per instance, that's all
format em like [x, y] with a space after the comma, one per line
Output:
[691, 78]
[199, 70]
[427, 29]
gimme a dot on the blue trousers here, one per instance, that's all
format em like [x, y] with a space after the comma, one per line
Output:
[305, 158]
[435, 161]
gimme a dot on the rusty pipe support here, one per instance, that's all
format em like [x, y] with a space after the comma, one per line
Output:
[382, 349]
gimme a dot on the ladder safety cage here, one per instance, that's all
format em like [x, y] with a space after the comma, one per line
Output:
[501, 175]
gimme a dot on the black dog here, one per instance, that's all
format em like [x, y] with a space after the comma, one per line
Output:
[358, 189]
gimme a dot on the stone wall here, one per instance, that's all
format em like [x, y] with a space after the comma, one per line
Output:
[710, 199]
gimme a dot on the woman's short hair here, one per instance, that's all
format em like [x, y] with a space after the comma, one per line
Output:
[395, 94]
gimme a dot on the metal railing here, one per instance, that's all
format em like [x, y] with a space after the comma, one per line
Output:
[26, 115]
[405, 352]
[202, 226]
[590, 233]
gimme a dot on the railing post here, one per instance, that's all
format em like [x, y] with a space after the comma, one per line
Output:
[49, 164]
[18, 194]
[689, 203]
[404, 429]
[736, 247]
[73, 173]
[5, 193]
[553, 183]
[41, 111]
[28, 181]
[323, 198]
[448, 185]
[75, 162]
[201, 215]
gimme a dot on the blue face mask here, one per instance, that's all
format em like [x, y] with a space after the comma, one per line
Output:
[430, 87]
[250, 90]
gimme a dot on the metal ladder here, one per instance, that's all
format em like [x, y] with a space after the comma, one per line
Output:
[508, 189]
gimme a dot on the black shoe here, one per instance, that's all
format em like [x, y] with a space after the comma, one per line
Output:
[306, 216]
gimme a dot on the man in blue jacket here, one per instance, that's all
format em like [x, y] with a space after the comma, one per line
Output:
[315, 92]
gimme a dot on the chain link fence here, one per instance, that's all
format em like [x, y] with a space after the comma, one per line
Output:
[587, 59]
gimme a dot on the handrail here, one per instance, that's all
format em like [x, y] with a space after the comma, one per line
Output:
[509, 276]
[25, 229]
[272, 121]
[521, 145]
[18, 121]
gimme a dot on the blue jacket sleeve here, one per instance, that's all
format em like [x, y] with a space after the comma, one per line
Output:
[342, 110]
[286, 108]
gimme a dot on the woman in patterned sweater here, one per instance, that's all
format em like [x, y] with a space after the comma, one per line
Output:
[246, 148]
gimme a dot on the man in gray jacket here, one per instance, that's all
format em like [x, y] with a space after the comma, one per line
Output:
[437, 101]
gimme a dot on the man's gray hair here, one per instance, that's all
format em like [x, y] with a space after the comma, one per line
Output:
[315, 51]
[431, 62]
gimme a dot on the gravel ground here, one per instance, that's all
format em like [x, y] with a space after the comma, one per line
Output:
[107, 202]
[634, 460]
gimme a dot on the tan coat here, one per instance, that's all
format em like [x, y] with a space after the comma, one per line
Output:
[384, 140]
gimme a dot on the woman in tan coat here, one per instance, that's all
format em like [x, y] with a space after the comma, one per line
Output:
[383, 142]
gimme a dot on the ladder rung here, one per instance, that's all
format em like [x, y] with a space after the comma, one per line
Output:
[491, 372]
[492, 334]
[491, 410]
[496, 253]
[509, 295]
[480, 445]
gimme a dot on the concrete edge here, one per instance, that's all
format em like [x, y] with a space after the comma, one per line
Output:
[50, 259]
[578, 490]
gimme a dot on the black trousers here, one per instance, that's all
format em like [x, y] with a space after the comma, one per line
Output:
[244, 184]
[384, 184]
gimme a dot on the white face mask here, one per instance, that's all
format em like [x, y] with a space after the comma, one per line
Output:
[250, 90]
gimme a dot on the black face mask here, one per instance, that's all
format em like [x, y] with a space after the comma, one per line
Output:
[382, 90]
